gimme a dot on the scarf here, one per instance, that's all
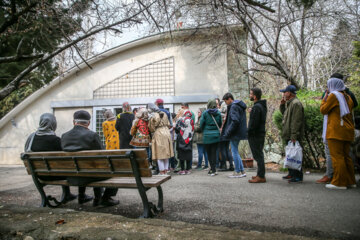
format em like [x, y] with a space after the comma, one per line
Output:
[126, 107]
[47, 126]
[109, 115]
[186, 125]
[334, 86]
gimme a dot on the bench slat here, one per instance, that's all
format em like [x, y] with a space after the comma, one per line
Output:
[123, 182]
[88, 162]
[93, 172]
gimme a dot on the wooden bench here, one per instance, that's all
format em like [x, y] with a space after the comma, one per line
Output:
[128, 168]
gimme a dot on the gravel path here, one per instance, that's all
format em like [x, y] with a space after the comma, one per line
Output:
[305, 209]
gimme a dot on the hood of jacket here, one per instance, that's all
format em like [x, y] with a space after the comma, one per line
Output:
[213, 111]
[262, 103]
[239, 103]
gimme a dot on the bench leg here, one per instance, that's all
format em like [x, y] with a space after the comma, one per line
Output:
[45, 200]
[147, 206]
[160, 200]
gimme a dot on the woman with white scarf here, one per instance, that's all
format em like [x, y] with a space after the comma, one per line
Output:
[338, 131]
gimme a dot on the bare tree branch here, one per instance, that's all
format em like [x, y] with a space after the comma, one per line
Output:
[14, 84]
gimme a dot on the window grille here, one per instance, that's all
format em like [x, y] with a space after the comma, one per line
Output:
[154, 79]
[98, 125]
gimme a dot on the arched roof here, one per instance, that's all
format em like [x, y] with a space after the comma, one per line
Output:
[70, 72]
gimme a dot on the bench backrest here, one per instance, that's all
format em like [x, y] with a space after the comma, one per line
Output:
[95, 163]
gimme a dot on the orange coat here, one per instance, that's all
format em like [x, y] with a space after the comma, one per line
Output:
[334, 129]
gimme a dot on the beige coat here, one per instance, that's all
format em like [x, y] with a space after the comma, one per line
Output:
[162, 147]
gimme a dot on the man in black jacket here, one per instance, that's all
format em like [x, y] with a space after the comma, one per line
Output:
[123, 126]
[256, 133]
[81, 138]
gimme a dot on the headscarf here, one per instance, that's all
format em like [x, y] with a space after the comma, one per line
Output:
[212, 107]
[142, 113]
[47, 126]
[109, 115]
[152, 108]
[126, 107]
[211, 104]
[335, 85]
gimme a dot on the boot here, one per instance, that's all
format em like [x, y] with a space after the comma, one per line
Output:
[83, 198]
[66, 195]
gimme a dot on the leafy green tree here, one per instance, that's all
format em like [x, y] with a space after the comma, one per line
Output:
[33, 32]
[353, 81]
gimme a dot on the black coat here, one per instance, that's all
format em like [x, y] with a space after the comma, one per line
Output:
[257, 119]
[80, 138]
[77, 139]
[123, 126]
[46, 143]
[235, 124]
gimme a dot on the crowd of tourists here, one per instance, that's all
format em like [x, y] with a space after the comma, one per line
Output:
[219, 128]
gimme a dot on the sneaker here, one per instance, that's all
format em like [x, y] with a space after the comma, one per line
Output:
[331, 186]
[234, 175]
[352, 186]
[187, 172]
[287, 177]
[181, 173]
[231, 168]
[324, 179]
[205, 168]
[243, 174]
[295, 180]
[213, 174]
[198, 168]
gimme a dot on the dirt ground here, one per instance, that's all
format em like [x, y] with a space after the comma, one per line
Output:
[197, 206]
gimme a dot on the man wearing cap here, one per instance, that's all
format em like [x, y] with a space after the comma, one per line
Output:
[292, 124]
[81, 138]
[123, 126]
[160, 103]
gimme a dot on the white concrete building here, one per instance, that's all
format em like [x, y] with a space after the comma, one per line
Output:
[138, 72]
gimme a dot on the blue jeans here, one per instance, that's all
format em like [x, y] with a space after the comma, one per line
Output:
[239, 167]
[201, 153]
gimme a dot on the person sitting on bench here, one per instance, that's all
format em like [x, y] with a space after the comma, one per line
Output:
[81, 138]
[45, 140]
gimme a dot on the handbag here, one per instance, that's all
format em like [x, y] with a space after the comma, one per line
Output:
[293, 158]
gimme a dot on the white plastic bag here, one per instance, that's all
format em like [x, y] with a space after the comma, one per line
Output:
[293, 158]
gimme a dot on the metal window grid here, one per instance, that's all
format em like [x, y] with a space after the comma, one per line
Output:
[154, 79]
[98, 124]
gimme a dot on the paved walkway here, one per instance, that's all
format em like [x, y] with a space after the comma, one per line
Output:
[305, 209]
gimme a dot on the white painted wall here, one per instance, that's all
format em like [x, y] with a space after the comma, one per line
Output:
[192, 77]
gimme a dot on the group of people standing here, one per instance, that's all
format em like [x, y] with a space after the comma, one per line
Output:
[217, 133]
